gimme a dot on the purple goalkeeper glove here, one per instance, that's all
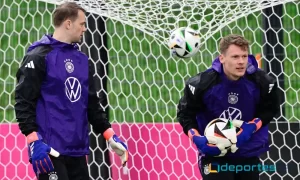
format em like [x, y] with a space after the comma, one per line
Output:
[206, 145]
[38, 154]
[245, 132]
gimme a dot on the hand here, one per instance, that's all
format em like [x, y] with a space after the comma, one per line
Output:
[38, 154]
[245, 132]
[117, 145]
[207, 145]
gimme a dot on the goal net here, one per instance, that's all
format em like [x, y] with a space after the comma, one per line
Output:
[127, 41]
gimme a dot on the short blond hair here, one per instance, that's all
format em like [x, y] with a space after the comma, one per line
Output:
[235, 39]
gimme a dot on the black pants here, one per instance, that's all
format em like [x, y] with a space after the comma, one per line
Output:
[67, 168]
[216, 168]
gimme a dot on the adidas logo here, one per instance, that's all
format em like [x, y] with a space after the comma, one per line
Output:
[270, 87]
[192, 88]
[30, 65]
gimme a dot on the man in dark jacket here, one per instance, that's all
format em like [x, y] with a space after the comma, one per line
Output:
[236, 89]
[56, 98]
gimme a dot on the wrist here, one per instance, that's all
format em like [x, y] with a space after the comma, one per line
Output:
[257, 122]
[108, 133]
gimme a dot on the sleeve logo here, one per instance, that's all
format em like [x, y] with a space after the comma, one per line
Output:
[192, 88]
[270, 87]
[30, 65]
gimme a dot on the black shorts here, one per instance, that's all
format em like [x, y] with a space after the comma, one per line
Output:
[67, 168]
[216, 168]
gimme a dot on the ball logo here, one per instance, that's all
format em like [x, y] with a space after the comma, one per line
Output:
[73, 89]
[173, 36]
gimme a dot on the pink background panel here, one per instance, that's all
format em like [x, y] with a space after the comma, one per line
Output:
[156, 151]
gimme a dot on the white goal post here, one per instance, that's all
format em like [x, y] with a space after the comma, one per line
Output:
[127, 41]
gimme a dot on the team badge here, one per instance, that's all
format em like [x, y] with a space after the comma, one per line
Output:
[206, 169]
[233, 98]
[53, 176]
[69, 65]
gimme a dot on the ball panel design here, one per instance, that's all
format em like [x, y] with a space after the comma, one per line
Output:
[184, 42]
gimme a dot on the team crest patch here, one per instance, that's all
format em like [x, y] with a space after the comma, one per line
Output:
[69, 65]
[53, 176]
[233, 98]
[206, 169]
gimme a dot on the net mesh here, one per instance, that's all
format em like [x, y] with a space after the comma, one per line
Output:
[144, 83]
[157, 18]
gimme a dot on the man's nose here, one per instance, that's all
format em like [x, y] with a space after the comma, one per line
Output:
[242, 60]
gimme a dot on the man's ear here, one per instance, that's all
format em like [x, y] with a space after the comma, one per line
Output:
[221, 57]
[67, 24]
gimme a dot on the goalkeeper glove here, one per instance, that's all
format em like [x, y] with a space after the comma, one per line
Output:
[245, 132]
[206, 145]
[117, 145]
[38, 154]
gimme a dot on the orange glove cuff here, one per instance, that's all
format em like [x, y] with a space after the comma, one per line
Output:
[257, 122]
[108, 133]
[32, 137]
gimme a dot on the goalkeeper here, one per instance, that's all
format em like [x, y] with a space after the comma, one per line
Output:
[236, 89]
[56, 99]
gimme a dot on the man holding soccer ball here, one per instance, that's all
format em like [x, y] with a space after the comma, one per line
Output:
[234, 88]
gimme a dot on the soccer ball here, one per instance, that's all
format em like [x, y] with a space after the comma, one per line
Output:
[223, 130]
[184, 42]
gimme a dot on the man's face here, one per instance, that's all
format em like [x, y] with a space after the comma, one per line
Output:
[234, 61]
[77, 28]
